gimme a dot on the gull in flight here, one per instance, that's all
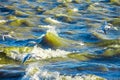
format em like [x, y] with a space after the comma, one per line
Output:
[28, 56]
[4, 35]
[106, 26]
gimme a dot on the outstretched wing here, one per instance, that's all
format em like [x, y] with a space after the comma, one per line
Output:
[28, 56]
[103, 26]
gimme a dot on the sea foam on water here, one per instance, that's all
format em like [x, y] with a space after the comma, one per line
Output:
[48, 53]
[37, 72]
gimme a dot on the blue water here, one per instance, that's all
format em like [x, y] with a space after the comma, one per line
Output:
[80, 28]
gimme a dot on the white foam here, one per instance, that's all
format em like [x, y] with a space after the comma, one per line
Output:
[74, 10]
[64, 1]
[52, 21]
[40, 53]
[17, 55]
[37, 72]
[46, 26]
[3, 21]
[50, 28]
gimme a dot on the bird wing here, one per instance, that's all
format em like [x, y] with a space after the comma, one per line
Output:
[28, 56]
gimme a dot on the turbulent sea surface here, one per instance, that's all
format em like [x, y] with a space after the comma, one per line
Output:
[59, 39]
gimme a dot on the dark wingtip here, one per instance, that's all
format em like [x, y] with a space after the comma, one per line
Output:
[28, 56]
[105, 32]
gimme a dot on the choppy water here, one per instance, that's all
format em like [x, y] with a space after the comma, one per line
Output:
[79, 49]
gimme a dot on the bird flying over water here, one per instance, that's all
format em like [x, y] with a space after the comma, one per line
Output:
[6, 35]
[103, 27]
[28, 56]
[106, 26]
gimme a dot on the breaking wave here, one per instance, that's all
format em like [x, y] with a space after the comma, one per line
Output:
[37, 72]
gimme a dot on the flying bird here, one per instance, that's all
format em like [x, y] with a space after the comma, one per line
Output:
[106, 26]
[28, 56]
